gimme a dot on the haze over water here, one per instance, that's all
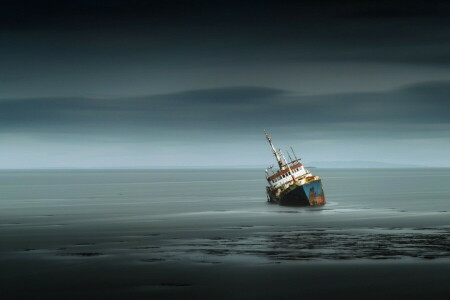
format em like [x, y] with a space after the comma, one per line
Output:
[202, 233]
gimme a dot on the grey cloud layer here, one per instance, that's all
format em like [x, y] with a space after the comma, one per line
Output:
[422, 110]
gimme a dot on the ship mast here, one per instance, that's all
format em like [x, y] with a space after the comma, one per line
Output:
[277, 157]
[296, 159]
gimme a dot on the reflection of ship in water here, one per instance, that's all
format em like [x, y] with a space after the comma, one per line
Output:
[292, 184]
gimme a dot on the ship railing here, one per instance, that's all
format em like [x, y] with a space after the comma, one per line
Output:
[293, 162]
[272, 170]
[270, 174]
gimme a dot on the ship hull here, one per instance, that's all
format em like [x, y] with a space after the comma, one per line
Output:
[308, 194]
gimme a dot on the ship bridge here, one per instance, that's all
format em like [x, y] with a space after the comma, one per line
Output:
[287, 171]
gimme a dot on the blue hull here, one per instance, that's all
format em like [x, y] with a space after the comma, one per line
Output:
[308, 194]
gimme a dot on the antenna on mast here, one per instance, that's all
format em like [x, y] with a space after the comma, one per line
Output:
[277, 157]
[290, 158]
[294, 154]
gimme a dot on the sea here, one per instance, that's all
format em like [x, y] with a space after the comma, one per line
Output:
[211, 234]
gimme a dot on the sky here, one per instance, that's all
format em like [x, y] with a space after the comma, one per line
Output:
[105, 84]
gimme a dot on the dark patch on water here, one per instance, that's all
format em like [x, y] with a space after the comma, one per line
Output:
[207, 262]
[82, 254]
[175, 284]
[324, 244]
[151, 260]
[145, 247]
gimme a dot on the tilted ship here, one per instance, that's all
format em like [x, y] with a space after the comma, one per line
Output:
[292, 184]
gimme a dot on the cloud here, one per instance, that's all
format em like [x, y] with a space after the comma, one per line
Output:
[382, 31]
[140, 47]
[420, 110]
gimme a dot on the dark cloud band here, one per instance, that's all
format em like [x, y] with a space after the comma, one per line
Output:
[239, 109]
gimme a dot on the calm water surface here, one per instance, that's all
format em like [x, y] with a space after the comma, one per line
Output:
[168, 198]
[159, 222]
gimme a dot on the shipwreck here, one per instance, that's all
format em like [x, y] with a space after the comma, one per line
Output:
[291, 183]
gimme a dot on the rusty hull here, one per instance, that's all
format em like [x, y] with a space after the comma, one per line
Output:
[305, 192]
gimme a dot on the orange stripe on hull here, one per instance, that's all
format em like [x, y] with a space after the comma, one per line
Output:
[284, 171]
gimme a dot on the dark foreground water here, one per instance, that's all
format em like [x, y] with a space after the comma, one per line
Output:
[209, 234]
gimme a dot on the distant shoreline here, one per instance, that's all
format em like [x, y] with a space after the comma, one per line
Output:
[201, 168]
